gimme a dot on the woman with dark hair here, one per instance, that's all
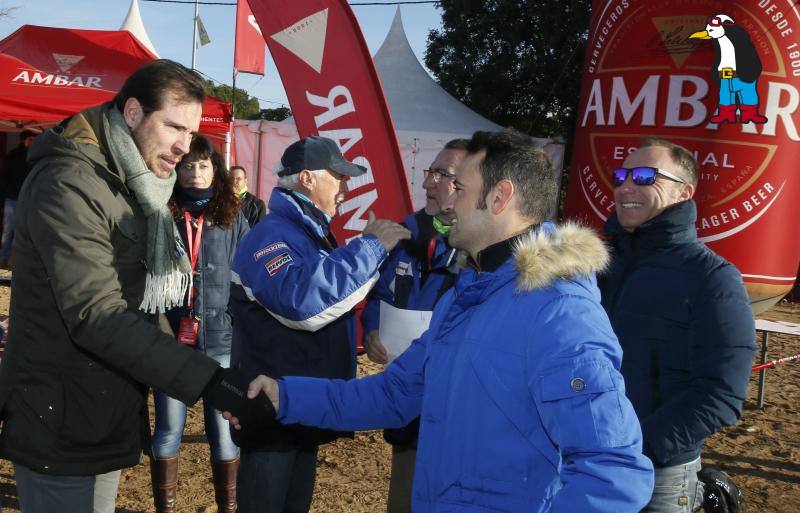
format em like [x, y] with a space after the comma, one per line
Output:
[206, 211]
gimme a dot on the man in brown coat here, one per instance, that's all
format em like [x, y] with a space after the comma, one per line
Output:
[97, 260]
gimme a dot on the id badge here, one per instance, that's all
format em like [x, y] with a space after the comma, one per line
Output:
[187, 331]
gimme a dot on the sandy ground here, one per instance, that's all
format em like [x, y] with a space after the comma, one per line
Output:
[761, 453]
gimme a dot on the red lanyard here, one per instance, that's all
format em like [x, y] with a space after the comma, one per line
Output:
[194, 248]
[431, 252]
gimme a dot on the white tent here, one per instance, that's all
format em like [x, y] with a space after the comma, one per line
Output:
[133, 23]
[425, 117]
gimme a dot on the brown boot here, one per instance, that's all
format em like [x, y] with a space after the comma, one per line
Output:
[164, 476]
[224, 474]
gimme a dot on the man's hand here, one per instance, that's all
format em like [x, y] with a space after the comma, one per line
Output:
[261, 384]
[375, 350]
[388, 232]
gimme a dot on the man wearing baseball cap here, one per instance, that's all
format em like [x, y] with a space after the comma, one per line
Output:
[292, 300]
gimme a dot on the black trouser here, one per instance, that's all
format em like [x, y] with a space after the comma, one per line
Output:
[276, 482]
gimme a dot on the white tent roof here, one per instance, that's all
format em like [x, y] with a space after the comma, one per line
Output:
[415, 100]
[133, 24]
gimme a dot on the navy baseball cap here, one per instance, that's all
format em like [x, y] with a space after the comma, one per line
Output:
[314, 153]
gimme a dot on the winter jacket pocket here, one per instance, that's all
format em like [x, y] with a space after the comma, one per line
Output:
[496, 372]
[581, 405]
[99, 406]
[484, 495]
[33, 416]
[41, 401]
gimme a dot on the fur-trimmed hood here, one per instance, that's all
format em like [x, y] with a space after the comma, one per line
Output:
[560, 252]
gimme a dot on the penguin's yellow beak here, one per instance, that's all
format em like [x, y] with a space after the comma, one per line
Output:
[703, 34]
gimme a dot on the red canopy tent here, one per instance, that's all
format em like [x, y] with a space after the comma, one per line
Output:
[49, 73]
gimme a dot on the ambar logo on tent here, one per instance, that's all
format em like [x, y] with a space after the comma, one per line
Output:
[66, 62]
[306, 38]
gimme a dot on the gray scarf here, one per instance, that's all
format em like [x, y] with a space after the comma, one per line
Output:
[169, 274]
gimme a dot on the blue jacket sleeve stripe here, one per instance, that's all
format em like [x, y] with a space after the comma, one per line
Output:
[321, 319]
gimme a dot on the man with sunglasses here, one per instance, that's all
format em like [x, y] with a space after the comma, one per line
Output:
[417, 273]
[682, 316]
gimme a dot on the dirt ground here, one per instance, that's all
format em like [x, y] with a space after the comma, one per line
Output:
[761, 453]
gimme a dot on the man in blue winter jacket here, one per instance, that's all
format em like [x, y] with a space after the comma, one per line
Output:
[417, 273]
[682, 316]
[292, 296]
[516, 382]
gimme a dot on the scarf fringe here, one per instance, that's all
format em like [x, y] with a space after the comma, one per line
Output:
[165, 291]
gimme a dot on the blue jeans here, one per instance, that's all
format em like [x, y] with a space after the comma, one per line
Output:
[42, 493]
[276, 482]
[171, 419]
[729, 88]
[677, 489]
[8, 228]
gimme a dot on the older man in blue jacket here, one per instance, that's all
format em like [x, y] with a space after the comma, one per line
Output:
[682, 316]
[516, 382]
[292, 298]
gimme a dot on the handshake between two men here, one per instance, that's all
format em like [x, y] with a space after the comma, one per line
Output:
[253, 403]
[242, 401]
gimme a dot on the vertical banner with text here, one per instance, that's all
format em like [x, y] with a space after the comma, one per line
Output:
[721, 78]
[334, 91]
[249, 54]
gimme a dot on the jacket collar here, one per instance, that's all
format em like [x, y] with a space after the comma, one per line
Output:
[492, 257]
[557, 252]
[539, 257]
[422, 231]
[675, 225]
[82, 136]
[285, 203]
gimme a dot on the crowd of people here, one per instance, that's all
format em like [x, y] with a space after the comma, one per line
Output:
[545, 369]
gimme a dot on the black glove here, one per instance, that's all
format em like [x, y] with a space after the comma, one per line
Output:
[227, 391]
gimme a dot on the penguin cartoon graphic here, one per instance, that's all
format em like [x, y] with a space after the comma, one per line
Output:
[736, 68]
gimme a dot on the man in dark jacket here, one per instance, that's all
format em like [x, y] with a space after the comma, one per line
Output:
[97, 257]
[414, 277]
[682, 316]
[252, 207]
[292, 300]
[15, 170]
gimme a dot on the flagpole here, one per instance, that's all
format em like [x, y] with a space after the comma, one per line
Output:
[233, 122]
[194, 32]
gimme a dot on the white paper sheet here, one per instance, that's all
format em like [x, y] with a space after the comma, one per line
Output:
[400, 327]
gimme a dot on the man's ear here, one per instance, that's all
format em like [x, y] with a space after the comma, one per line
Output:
[307, 179]
[500, 196]
[132, 112]
[687, 191]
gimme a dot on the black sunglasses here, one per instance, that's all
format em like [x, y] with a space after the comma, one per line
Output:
[642, 175]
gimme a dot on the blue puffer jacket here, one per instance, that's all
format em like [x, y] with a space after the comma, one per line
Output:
[401, 283]
[212, 282]
[292, 300]
[412, 281]
[522, 406]
[684, 322]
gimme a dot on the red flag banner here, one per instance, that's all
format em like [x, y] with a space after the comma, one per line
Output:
[722, 79]
[334, 92]
[249, 54]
